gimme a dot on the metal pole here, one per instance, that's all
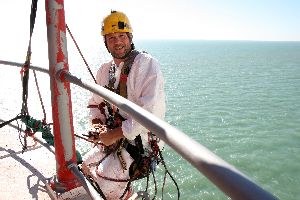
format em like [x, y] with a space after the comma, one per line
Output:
[226, 177]
[63, 129]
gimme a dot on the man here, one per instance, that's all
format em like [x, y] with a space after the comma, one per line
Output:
[137, 77]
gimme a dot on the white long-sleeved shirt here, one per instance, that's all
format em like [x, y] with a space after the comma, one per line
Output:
[145, 87]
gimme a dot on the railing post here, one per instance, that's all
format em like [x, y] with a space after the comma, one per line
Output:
[63, 129]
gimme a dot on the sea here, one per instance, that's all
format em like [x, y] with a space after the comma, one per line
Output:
[239, 99]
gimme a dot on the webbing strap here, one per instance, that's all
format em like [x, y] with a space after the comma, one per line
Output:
[25, 69]
[122, 87]
[33, 15]
[136, 150]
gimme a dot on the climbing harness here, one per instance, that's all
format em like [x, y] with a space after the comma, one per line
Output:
[144, 163]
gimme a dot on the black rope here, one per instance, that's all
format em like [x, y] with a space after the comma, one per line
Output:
[167, 172]
[130, 180]
[11, 120]
[93, 183]
[126, 189]
[147, 184]
[155, 185]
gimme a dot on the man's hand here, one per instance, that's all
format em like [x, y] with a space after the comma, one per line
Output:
[100, 133]
[110, 137]
[95, 131]
[85, 169]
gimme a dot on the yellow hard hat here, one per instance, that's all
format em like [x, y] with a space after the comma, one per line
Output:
[116, 22]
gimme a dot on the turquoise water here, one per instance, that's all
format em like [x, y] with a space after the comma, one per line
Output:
[240, 99]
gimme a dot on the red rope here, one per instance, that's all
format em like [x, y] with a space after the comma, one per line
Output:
[86, 64]
[40, 96]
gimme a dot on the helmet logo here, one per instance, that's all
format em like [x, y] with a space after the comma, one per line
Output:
[121, 25]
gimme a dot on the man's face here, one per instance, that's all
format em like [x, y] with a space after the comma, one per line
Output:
[118, 44]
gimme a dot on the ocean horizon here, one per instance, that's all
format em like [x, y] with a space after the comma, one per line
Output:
[240, 99]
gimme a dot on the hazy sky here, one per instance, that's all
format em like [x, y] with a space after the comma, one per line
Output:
[200, 19]
[172, 19]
